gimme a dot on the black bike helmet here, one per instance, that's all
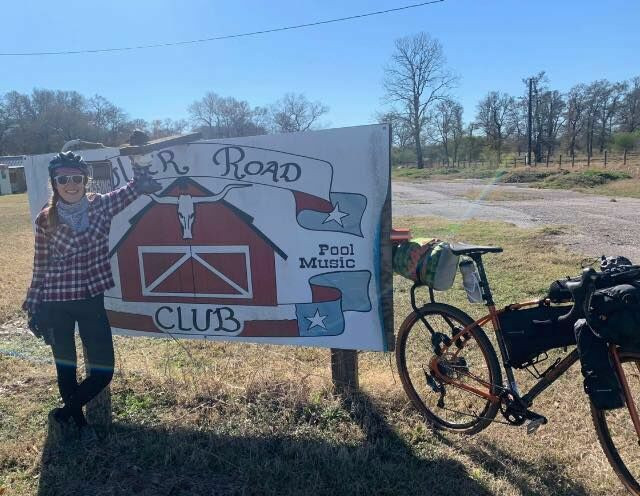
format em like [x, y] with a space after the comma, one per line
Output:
[68, 159]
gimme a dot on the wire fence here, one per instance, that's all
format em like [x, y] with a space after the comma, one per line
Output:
[624, 161]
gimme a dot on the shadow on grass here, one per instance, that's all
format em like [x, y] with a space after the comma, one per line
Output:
[544, 477]
[177, 461]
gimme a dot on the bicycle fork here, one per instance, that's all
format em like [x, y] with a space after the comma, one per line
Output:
[633, 411]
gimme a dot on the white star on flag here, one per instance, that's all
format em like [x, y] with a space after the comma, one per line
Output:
[317, 320]
[335, 215]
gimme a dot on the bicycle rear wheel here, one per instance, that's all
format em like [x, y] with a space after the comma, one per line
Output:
[616, 432]
[475, 364]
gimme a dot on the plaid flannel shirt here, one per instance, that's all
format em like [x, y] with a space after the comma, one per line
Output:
[73, 266]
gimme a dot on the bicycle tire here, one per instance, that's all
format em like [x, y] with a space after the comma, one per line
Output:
[485, 411]
[626, 465]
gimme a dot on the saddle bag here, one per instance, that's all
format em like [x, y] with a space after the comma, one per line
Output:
[429, 262]
[530, 332]
[600, 381]
[614, 314]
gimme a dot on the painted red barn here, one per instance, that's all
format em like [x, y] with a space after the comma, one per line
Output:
[182, 248]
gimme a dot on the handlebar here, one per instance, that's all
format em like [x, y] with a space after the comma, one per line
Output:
[581, 292]
[590, 280]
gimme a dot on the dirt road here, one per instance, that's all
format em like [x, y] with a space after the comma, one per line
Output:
[591, 225]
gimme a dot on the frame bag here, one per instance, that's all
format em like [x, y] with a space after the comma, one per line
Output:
[530, 332]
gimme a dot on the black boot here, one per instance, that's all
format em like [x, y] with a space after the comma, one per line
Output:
[61, 429]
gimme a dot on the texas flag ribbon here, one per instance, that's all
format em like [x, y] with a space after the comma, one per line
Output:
[333, 294]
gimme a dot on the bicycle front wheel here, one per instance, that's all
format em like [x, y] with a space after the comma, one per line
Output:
[616, 432]
[473, 362]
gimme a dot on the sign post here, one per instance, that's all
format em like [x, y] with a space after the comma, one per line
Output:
[344, 371]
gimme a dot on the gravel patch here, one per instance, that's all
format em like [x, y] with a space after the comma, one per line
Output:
[587, 224]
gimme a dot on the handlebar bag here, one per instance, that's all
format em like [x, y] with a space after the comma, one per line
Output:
[530, 332]
[614, 314]
[615, 273]
[558, 291]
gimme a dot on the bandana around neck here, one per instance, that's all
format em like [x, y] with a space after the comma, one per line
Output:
[75, 215]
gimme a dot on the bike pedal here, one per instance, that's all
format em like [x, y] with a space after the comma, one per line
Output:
[535, 423]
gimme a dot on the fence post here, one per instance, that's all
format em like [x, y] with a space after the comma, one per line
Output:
[573, 159]
[344, 371]
[588, 159]
[605, 158]
[624, 160]
[560, 164]
[99, 408]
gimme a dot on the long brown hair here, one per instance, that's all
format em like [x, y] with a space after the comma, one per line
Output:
[52, 210]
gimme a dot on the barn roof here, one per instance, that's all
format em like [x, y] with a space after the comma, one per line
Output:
[12, 160]
[186, 181]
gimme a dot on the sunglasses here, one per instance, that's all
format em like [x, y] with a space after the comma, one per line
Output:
[75, 179]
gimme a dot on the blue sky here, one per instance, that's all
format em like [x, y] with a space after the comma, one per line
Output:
[491, 44]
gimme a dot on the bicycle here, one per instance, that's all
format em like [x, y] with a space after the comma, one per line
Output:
[455, 380]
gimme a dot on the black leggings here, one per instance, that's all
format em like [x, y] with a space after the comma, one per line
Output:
[95, 333]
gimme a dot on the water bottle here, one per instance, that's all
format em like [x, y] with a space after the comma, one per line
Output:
[471, 280]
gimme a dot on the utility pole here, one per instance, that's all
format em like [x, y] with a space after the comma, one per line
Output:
[529, 121]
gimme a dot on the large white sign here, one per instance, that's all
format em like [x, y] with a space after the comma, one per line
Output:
[273, 239]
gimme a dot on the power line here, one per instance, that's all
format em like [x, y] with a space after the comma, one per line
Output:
[225, 37]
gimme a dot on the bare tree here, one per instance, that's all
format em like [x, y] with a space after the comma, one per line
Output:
[6, 124]
[611, 95]
[574, 116]
[223, 117]
[294, 112]
[493, 115]
[445, 127]
[161, 128]
[518, 123]
[552, 118]
[630, 112]
[595, 99]
[401, 134]
[414, 80]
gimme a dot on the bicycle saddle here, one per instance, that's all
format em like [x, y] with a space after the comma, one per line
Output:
[464, 249]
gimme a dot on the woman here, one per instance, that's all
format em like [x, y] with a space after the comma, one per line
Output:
[71, 272]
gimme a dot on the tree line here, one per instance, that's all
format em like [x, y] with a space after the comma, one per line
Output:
[41, 122]
[428, 123]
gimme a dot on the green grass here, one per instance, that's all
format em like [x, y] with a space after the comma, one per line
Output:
[201, 418]
[412, 173]
[583, 179]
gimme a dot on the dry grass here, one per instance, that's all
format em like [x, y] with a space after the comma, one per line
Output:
[16, 253]
[194, 417]
[625, 187]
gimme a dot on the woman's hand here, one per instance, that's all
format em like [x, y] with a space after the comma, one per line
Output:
[39, 325]
[143, 181]
[32, 323]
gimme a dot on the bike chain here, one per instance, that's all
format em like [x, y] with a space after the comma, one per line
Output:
[503, 408]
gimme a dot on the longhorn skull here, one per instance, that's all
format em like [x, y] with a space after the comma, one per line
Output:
[186, 206]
